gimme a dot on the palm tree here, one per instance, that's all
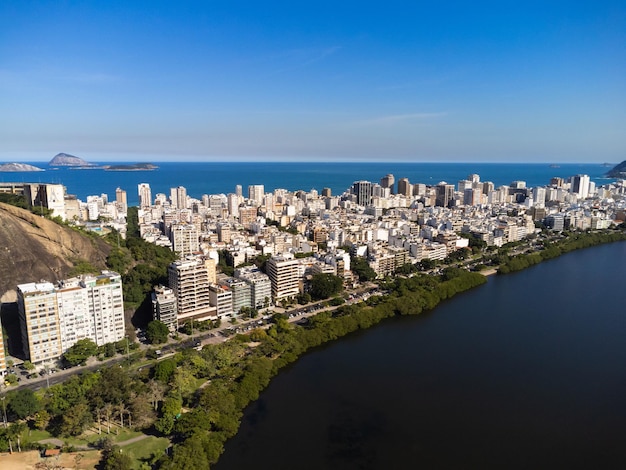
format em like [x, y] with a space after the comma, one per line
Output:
[121, 409]
[108, 409]
[157, 393]
[99, 417]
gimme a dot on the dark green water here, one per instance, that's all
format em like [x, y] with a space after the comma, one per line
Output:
[528, 371]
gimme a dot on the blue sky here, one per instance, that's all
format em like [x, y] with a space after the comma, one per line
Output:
[502, 81]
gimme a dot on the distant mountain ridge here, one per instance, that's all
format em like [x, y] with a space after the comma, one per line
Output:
[19, 167]
[65, 159]
[618, 171]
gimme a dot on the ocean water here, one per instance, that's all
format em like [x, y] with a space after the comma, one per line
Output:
[222, 177]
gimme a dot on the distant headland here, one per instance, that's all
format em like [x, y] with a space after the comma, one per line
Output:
[618, 171]
[19, 167]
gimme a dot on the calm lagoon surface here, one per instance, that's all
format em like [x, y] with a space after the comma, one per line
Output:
[527, 371]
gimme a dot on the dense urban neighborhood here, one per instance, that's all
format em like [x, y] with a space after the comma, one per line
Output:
[203, 300]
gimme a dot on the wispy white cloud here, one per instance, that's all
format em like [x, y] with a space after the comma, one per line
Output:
[90, 78]
[296, 59]
[396, 118]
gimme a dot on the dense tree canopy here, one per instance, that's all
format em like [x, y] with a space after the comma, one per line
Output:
[324, 286]
[157, 332]
[23, 403]
[362, 269]
[82, 350]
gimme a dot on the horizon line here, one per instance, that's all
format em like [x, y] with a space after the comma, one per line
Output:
[324, 160]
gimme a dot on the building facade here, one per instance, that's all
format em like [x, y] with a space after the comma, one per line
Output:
[260, 284]
[165, 307]
[189, 280]
[145, 195]
[283, 273]
[185, 239]
[53, 318]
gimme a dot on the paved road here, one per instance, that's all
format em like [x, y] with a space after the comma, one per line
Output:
[60, 443]
[212, 336]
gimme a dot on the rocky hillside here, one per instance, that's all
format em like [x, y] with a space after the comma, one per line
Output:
[33, 248]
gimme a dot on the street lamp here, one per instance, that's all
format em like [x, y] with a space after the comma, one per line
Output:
[127, 350]
[47, 370]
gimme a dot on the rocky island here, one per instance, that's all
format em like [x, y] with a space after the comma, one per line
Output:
[65, 159]
[19, 167]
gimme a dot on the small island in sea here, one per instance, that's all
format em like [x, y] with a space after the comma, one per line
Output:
[19, 167]
[65, 159]
[131, 167]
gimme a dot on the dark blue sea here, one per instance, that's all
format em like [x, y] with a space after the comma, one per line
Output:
[222, 177]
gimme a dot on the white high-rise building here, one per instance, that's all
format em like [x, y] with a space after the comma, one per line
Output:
[39, 321]
[145, 195]
[539, 196]
[165, 307]
[233, 204]
[580, 186]
[190, 280]
[53, 318]
[106, 306]
[283, 273]
[222, 299]
[178, 197]
[256, 193]
[185, 239]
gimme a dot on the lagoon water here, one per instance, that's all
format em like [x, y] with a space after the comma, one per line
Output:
[527, 371]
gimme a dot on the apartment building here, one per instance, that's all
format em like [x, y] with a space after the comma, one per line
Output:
[39, 321]
[185, 239]
[54, 317]
[221, 298]
[283, 273]
[145, 195]
[189, 279]
[165, 307]
[241, 294]
[261, 286]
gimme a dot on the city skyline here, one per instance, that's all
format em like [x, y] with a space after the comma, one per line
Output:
[158, 81]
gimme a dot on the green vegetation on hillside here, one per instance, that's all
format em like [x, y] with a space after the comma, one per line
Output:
[141, 264]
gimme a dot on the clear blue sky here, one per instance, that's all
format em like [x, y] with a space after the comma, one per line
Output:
[415, 80]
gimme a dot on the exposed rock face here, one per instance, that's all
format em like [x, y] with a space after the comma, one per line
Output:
[33, 248]
[65, 159]
[618, 171]
[19, 167]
